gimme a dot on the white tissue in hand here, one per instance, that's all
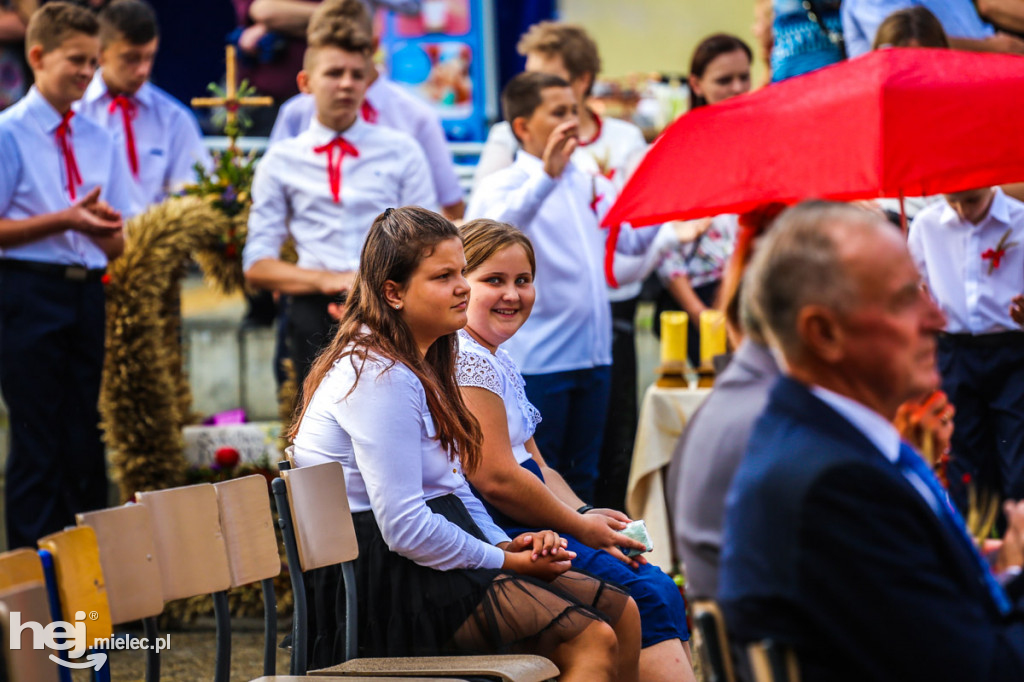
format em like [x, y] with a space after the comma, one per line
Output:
[637, 530]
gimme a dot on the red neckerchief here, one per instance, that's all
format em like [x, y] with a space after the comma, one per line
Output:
[64, 142]
[334, 162]
[597, 119]
[368, 111]
[128, 109]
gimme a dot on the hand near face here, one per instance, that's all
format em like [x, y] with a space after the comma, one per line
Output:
[561, 144]
[1017, 309]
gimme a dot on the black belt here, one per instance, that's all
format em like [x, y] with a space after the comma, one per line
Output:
[74, 273]
[984, 340]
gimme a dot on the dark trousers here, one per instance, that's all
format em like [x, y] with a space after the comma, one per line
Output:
[573, 406]
[620, 426]
[310, 329]
[51, 361]
[984, 379]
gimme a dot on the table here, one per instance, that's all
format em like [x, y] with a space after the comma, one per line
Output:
[256, 442]
[663, 414]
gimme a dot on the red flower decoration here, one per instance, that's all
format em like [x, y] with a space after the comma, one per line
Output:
[230, 250]
[966, 478]
[995, 256]
[227, 457]
[105, 279]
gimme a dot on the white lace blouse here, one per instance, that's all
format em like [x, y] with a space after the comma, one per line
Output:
[385, 438]
[498, 373]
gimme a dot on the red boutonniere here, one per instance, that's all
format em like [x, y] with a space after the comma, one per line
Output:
[995, 256]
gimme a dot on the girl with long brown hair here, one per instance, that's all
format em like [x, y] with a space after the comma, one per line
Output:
[434, 572]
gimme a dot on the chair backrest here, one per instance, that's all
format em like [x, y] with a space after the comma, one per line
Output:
[129, 560]
[20, 566]
[26, 663]
[771, 661]
[189, 543]
[321, 516]
[81, 586]
[714, 652]
[248, 528]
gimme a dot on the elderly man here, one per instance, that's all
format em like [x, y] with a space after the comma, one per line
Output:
[838, 539]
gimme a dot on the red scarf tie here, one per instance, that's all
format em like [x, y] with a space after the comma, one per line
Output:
[128, 109]
[64, 142]
[334, 162]
[368, 111]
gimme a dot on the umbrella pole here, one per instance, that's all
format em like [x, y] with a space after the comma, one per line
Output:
[903, 215]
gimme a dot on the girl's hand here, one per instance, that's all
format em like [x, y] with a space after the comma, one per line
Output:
[546, 568]
[541, 543]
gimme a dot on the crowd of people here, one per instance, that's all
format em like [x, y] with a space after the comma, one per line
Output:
[478, 382]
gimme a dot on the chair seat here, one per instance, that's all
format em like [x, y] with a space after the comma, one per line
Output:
[506, 668]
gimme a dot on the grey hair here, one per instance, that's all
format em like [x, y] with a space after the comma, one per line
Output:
[798, 263]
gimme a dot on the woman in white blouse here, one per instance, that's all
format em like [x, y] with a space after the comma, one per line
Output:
[500, 268]
[434, 572]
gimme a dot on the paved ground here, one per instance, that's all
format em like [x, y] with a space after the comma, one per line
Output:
[192, 653]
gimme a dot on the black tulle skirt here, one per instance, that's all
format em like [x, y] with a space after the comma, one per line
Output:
[405, 609]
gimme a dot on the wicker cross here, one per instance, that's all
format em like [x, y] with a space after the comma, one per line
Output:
[231, 100]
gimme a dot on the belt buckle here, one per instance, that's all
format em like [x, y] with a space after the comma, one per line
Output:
[76, 273]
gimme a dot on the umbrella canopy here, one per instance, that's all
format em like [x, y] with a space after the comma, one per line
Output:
[911, 122]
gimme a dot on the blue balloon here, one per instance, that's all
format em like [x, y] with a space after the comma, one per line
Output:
[410, 64]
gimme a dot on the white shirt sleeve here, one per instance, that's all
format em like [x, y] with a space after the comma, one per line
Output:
[435, 145]
[391, 466]
[635, 267]
[10, 169]
[288, 123]
[268, 216]
[484, 522]
[417, 186]
[508, 202]
[186, 148]
[499, 152]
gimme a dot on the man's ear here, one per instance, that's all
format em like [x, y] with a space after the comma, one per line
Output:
[821, 332]
[302, 79]
[519, 128]
[393, 294]
[35, 57]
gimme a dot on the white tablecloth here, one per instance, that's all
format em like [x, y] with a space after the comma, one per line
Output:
[663, 415]
[256, 442]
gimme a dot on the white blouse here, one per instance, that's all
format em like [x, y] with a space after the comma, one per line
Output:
[385, 438]
[498, 374]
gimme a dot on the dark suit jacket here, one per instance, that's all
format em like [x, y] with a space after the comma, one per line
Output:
[828, 548]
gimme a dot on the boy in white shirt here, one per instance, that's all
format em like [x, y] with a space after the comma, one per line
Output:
[160, 138]
[970, 252]
[564, 349]
[57, 232]
[387, 104]
[325, 187]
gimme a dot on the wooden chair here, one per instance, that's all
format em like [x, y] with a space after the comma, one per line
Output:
[771, 661]
[715, 654]
[23, 590]
[127, 553]
[192, 555]
[20, 566]
[248, 528]
[81, 589]
[317, 526]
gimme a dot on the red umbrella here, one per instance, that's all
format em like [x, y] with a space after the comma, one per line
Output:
[895, 122]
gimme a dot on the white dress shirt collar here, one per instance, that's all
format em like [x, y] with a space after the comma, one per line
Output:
[999, 211]
[876, 428]
[321, 134]
[41, 110]
[98, 90]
